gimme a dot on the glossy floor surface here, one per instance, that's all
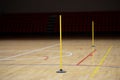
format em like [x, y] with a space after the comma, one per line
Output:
[38, 59]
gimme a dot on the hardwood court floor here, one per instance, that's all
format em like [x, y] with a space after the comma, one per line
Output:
[38, 59]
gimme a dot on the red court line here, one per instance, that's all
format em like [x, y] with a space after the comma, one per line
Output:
[81, 48]
[46, 57]
[90, 54]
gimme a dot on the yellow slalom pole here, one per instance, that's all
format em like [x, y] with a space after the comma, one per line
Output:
[61, 65]
[93, 56]
[60, 23]
[93, 40]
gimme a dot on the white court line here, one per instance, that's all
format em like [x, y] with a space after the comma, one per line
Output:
[13, 50]
[30, 52]
[67, 54]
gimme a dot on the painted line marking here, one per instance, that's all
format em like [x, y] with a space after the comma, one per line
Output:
[105, 66]
[40, 58]
[14, 50]
[30, 52]
[86, 57]
[101, 62]
[81, 48]
[68, 54]
[46, 57]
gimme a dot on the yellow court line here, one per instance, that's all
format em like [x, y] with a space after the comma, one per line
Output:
[101, 62]
[60, 24]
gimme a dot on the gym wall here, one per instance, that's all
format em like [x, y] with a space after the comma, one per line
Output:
[33, 16]
[36, 6]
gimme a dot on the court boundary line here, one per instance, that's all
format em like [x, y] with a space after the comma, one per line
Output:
[101, 62]
[40, 58]
[90, 54]
[30, 52]
[15, 50]
[105, 66]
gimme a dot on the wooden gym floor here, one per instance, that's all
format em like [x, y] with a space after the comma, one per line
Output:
[38, 59]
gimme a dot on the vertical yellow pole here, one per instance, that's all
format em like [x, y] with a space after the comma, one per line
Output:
[60, 23]
[93, 56]
[93, 42]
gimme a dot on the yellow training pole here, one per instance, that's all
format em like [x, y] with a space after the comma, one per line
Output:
[93, 41]
[60, 23]
[93, 56]
[61, 66]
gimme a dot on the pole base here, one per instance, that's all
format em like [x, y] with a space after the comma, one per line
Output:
[61, 71]
[93, 45]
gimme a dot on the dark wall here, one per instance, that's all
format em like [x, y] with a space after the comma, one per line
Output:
[79, 22]
[1, 7]
[105, 22]
[23, 23]
[26, 6]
